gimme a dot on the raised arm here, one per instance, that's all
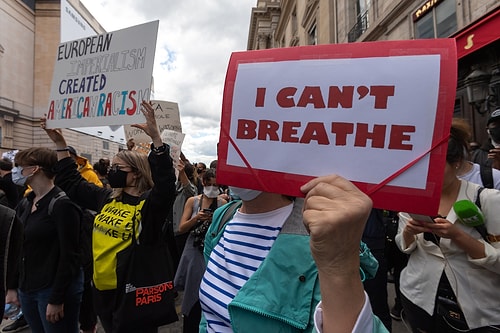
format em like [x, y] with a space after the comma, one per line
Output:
[335, 213]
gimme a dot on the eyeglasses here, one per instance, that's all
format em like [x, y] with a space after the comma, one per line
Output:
[21, 168]
[116, 167]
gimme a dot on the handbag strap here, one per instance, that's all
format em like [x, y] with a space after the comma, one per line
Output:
[481, 228]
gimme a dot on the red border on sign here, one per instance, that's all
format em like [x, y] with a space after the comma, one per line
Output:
[425, 201]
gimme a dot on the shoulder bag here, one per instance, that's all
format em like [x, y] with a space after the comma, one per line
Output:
[145, 294]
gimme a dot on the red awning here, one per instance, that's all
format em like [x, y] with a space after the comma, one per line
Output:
[480, 33]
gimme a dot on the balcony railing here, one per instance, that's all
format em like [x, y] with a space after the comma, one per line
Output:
[359, 28]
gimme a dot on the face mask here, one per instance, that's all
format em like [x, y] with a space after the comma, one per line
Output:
[211, 191]
[117, 178]
[495, 136]
[17, 177]
[244, 193]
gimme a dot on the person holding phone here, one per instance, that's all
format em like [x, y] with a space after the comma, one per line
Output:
[196, 219]
[452, 280]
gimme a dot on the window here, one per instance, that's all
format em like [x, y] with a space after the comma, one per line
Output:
[362, 23]
[437, 21]
[30, 3]
[313, 36]
[105, 145]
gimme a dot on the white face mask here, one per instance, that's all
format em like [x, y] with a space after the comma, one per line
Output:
[244, 193]
[17, 176]
[211, 191]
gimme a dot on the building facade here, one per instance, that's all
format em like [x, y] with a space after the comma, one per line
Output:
[29, 36]
[475, 24]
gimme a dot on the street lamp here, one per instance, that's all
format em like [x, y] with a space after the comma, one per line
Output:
[477, 85]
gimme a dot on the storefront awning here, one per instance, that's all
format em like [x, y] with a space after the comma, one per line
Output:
[479, 34]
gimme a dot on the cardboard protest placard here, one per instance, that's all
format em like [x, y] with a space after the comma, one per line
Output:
[101, 80]
[167, 118]
[378, 114]
[174, 139]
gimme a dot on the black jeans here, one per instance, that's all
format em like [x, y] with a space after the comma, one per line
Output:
[88, 317]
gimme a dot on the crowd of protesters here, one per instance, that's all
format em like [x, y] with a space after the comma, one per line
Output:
[246, 260]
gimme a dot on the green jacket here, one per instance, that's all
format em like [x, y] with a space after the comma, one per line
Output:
[272, 301]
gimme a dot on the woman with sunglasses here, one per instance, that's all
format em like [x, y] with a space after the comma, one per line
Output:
[142, 186]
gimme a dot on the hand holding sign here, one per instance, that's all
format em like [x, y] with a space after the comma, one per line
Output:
[376, 113]
[54, 134]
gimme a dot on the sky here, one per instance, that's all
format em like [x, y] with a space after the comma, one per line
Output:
[194, 44]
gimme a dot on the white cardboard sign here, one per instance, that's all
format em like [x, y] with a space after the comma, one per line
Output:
[101, 80]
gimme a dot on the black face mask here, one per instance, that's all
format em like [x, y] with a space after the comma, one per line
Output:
[117, 178]
[495, 133]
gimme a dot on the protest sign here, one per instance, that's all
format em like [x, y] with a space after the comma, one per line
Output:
[167, 118]
[174, 139]
[376, 113]
[101, 80]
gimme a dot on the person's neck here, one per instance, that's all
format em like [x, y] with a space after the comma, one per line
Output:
[265, 202]
[465, 168]
[133, 191]
[451, 189]
[41, 188]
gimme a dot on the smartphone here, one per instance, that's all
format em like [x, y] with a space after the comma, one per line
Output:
[421, 218]
[207, 211]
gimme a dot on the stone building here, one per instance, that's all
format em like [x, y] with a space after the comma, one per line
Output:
[30, 32]
[475, 24]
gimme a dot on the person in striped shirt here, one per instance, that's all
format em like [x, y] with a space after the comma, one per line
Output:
[265, 266]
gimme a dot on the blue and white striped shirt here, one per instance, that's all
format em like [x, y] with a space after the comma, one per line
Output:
[245, 243]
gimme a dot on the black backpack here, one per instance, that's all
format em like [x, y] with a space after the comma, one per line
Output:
[85, 244]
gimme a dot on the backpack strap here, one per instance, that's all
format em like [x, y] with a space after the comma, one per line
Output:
[486, 175]
[481, 228]
[220, 218]
[228, 215]
[53, 201]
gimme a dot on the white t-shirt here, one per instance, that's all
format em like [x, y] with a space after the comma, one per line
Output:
[474, 176]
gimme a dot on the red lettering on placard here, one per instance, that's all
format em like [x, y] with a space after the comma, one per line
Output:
[246, 129]
[381, 94]
[311, 95]
[315, 132]
[363, 135]
[68, 108]
[260, 98]
[337, 96]
[341, 130]
[285, 97]
[131, 111]
[289, 130]
[342, 97]
[398, 135]
[50, 114]
[269, 130]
